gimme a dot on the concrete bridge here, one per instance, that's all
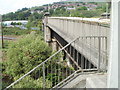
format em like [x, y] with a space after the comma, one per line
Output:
[89, 51]
[93, 39]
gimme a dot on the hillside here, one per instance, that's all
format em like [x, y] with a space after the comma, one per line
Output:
[75, 9]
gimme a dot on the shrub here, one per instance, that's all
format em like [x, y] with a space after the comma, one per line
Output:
[6, 43]
[29, 82]
[26, 53]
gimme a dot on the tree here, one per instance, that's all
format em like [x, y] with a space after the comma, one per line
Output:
[92, 13]
[82, 8]
[76, 14]
[39, 24]
[25, 54]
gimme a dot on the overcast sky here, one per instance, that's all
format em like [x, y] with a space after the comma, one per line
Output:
[7, 6]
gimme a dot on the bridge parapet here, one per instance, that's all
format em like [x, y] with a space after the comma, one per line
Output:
[74, 27]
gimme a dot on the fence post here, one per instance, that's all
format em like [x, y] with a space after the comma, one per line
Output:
[99, 50]
[43, 76]
[106, 60]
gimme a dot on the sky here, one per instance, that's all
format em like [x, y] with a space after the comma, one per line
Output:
[7, 6]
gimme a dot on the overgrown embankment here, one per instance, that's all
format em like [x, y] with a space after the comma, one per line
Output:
[22, 40]
[23, 55]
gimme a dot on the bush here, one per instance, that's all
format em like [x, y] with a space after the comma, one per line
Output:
[29, 82]
[82, 8]
[26, 53]
[6, 43]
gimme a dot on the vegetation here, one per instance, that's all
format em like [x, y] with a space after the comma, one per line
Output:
[22, 14]
[79, 12]
[25, 54]
[15, 31]
[26, 13]
[29, 82]
[34, 23]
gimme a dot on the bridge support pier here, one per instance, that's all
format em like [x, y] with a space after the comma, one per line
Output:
[54, 45]
[47, 34]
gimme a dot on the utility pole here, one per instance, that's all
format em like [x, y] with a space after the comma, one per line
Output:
[1, 30]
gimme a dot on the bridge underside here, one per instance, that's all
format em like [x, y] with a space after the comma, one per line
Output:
[76, 56]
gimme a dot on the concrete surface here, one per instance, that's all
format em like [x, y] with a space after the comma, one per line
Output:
[96, 81]
[88, 81]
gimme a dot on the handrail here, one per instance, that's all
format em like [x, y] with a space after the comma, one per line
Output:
[72, 75]
[50, 58]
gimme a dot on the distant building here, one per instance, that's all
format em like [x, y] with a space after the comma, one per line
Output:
[70, 8]
[91, 6]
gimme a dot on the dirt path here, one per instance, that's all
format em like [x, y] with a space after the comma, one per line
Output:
[8, 38]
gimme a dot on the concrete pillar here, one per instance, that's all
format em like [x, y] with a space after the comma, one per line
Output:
[47, 34]
[54, 44]
[47, 31]
[113, 57]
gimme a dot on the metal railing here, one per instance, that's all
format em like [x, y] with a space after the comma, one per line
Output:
[55, 70]
[52, 70]
[94, 49]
